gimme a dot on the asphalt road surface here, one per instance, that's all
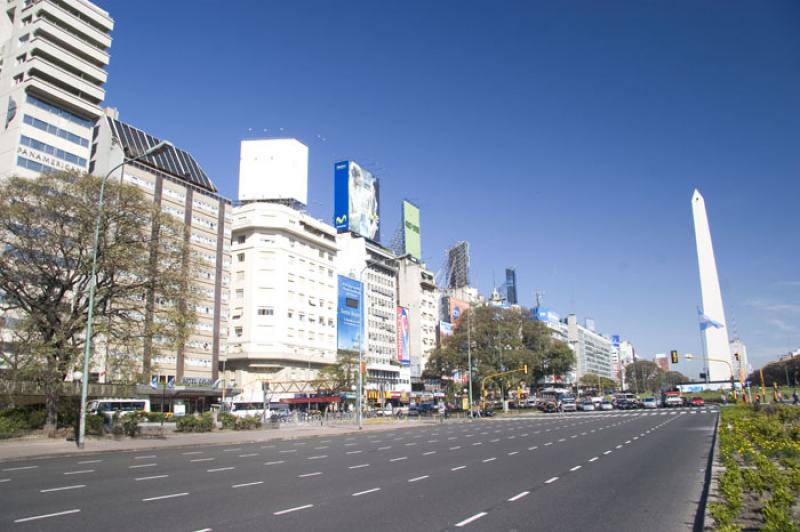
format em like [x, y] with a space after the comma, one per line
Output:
[621, 471]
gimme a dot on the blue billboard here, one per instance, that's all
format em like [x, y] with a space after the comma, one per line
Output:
[545, 314]
[356, 200]
[348, 315]
[615, 340]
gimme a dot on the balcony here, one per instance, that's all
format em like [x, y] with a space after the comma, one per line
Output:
[89, 11]
[73, 24]
[84, 89]
[97, 74]
[52, 33]
[57, 95]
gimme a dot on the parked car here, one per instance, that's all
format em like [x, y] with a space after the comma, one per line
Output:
[624, 404]
[697, 401]
[587, 406]
[605, 404]
[649, 402]
[568, 404]
[385, 411]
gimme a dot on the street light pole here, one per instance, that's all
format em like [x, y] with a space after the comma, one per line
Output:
[87, 349]
[360, 390]
[469, 358]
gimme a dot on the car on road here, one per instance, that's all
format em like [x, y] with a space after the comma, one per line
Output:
[568, 404]
[697, 401]
[649, 402]
[587, 405]
[625, 404]
[384, 411]
[670, 399]
[605, 404]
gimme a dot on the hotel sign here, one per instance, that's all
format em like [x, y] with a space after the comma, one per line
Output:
[49, 160]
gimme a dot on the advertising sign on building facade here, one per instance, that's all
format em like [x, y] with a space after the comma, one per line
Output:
[456, 308]
[445, 329]
[545, 314]
[412, 240]
[348, 315]
[356, 200]
[403, 355]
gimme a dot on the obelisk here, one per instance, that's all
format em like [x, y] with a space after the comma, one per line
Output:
[715, 335]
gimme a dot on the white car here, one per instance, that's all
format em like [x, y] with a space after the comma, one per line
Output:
[605, 404]
[587, 406]
[649, 402]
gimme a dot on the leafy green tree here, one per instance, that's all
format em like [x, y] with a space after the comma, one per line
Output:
[46, 235]
[591, 380]
[644, 376]
[673, 378]
[501, 340]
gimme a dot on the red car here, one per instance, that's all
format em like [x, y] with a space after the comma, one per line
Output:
[697, 401]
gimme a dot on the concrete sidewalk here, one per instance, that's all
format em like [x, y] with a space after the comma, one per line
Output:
[40, 446]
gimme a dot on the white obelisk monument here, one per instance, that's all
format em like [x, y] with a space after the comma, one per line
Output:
[714, 330]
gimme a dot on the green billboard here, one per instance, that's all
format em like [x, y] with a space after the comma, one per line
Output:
[411, 236]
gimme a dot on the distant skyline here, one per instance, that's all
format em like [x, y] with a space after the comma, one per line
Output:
[564, 140]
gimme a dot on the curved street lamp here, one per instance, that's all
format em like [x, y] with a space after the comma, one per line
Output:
[87, 350]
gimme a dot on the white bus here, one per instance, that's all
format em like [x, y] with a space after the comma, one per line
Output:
[108, 407]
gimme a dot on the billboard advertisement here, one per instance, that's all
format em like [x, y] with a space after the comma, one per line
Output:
[273, 169]
[456, 307]
[445, 329]
[403, 331]
[615, 340]
[412, 240]
[545, 314]
[356, 200]
[348, 315]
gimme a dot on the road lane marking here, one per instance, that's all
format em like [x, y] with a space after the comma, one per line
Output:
[492, 459]
[458, 468]
[80, 472]
[575, 468]
[548, 443]
[89, 462]
[288, 451]
[495, 440]
[272, 446]
[201, 460]
[359, 493]
[410, 444]
[457, 447]
[274, 462]
[477, 443]
[550, 480]
[415, 479]
[561, 439]
[170, 496]
[151, 478]
[144, 457]
[248, 455]
[310, 474]
[512, 453]
[21, 468]
[608, 452]
[320, 448]
[354, 452]
[627, 442]
[234, 449]
[247, 484]
[359, 466]
[75, 487]
[398, 459]
[5, 480]
[533, 448]
[593, 459]
[318, 457]
[428, 453]
[45, 516]
[384, 448]
[468, 520]
[350, 444]
[193, 452]
[288, 510]
[141, 465]
[219, 469]
[518, 496]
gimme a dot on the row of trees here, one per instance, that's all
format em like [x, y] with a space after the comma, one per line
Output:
[143, 302]
[645, 376]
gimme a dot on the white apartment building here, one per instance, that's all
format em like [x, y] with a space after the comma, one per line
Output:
[416, 291]
[178, 185]
[52, 70]
[593, 351]
[376, 267]
[283, 300]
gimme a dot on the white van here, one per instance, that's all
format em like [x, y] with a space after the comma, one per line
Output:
[108, 407]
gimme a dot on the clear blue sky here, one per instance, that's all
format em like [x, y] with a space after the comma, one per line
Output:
[562, 138]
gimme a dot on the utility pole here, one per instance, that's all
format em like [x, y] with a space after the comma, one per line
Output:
[469, 358]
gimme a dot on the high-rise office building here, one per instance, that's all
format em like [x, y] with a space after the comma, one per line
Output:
[458, 266]
[511, 286]
[178, 185]
[593, 351]
[54, 59]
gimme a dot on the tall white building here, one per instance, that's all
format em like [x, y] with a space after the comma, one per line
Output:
[54, 59]
[593, 351]
[717, 353]
[376, 267]
[283, 300]
[416, 292]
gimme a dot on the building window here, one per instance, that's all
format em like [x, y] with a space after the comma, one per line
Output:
[52, 150]
[237, 331]
[266, 311]
[239, 293]
[53, 130]
[290, 314]
[241, 239]
[240, 257]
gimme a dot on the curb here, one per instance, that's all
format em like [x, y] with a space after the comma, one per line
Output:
[712, 481]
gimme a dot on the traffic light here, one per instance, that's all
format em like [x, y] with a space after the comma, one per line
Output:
[525, 368]
[737, 356]
[674, 355]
